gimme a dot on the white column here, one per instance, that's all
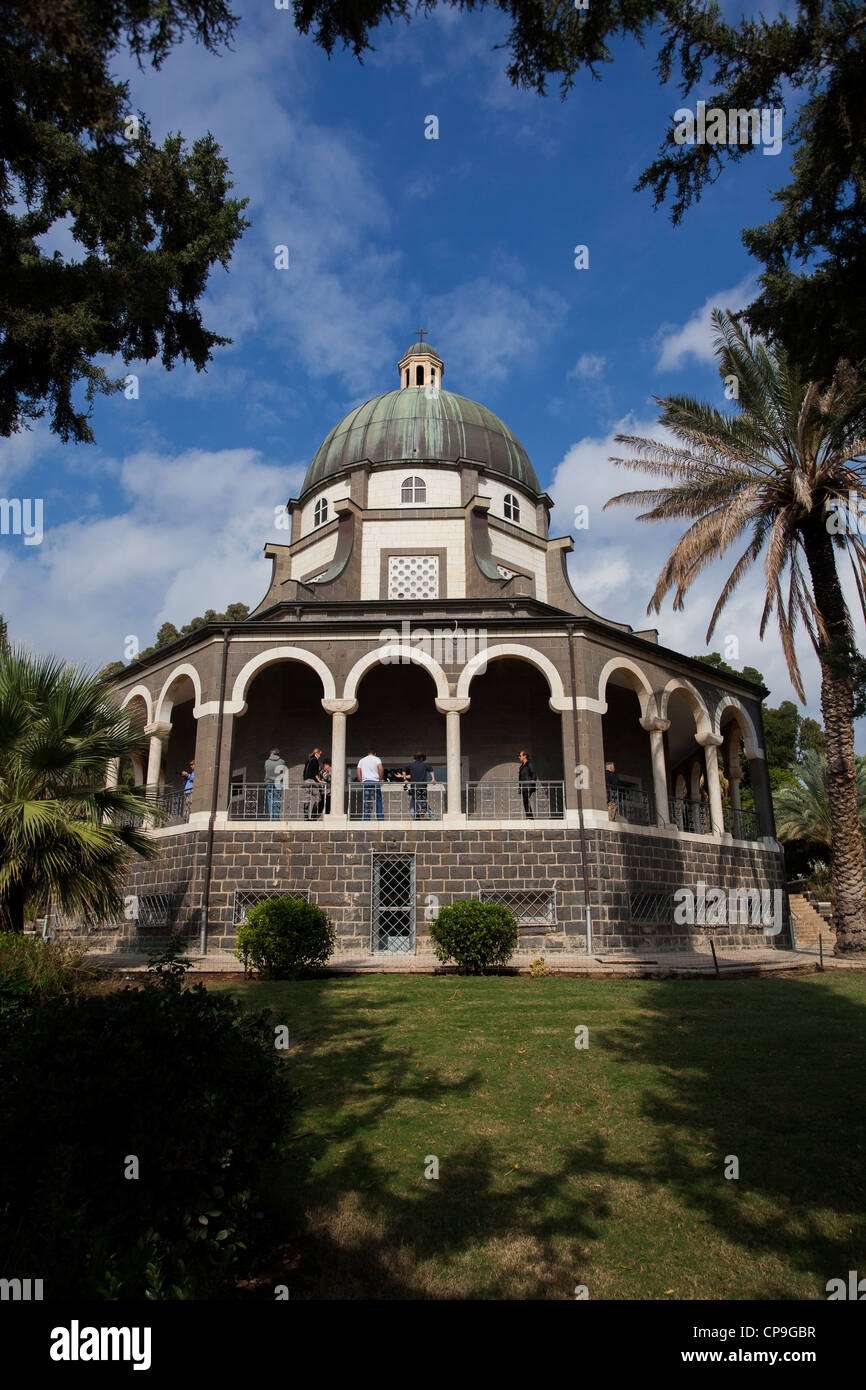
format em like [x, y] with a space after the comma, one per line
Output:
[656, 727]
[159, 734]
[452, 709]
[711, 743]
[338, 709]
[112, 772]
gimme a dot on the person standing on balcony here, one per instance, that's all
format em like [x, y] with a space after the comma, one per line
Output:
[326, 787]
[276, 775]
[526, 783]
[315, 787]
[611, 782]
[188, 780]
[418, 773]
[370, 774]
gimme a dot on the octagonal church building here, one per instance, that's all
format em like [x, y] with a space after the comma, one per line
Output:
[419, 604]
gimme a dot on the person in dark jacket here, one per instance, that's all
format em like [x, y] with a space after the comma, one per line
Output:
[611, 782]
[315, 787]
[418, 773]
[526, 782]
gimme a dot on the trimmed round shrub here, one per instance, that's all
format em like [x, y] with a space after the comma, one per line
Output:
[283, 938]
[475, 935]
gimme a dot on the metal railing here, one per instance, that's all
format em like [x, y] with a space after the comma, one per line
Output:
[396, 800]
[268, 801]
[511, 801]
[171, 801]
[633, 805]
[693, 816]
[743, 825]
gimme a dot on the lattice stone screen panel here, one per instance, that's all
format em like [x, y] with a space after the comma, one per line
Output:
[532, 907]
[413, 576]
[654, 909]
[247, 898]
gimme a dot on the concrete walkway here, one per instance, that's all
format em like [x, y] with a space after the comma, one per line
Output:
[644, 964]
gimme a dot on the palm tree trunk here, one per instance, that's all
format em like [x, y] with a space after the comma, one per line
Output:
[12, 909]
[847, 865]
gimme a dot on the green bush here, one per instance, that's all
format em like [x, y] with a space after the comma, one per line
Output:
[33, 971]
[475, 935]
[184, 1082]
[283, 938]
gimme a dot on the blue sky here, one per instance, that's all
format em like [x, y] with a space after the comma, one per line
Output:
[471, 237]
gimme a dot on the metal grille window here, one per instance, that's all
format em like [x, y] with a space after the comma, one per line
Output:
[532, 907]
[651, 909]
[393, 905]
[247, 898]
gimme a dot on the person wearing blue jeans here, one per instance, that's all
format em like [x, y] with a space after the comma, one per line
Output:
[370, 774]
[275, 774]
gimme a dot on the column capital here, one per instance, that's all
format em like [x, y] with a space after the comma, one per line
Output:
[452, 705]
[339, 706]
[653, 723]
[161, 730]
[709, 740]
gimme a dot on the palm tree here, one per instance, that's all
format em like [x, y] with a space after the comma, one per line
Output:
[803, 809]
[778, 474]
[61, 830]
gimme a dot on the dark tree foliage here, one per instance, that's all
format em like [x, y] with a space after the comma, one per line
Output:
[150, 221]
[168, 633]
[814, 251]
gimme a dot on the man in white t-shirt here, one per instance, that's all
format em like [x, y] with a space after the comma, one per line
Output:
[370, 774]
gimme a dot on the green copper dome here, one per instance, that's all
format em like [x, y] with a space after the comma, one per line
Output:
[417, 424]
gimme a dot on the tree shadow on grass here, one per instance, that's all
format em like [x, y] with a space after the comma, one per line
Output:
[771, 1073]
[365, 1222]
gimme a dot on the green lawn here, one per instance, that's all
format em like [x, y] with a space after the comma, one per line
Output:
[558, 1166]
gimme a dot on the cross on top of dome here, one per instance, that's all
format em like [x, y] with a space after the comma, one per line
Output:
[420, 365]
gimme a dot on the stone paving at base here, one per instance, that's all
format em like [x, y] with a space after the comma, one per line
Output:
[661, 964]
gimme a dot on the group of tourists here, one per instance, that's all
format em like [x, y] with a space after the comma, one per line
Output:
[417, 774]
[316, 778]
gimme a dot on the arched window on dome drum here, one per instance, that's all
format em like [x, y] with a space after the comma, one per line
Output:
[419, 375]
[413, 490]
[511, 507]
[320, 513]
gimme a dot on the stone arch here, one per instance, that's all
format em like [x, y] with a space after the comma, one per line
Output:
[640, 683]
[238, 702]
[164, 706]
[679, 684]
[140, 692]
[521, 653]
[743, 720]
[398, 654]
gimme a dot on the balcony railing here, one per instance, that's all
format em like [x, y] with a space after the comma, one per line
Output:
[267, 801]
[633, 805]
[171, 801]
[508, 801]
[396, 801]
[743, 825]
[693, 816]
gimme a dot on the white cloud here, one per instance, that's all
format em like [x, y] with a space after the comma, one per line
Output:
[589, 367]
[189, 537]
[695, 337]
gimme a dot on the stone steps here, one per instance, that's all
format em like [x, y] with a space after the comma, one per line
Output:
[808, 924]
